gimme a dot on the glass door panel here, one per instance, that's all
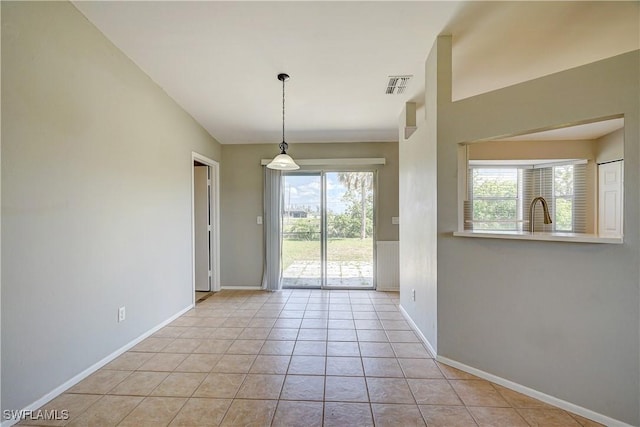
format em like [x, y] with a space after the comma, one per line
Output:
[302, 230]
[349, 225]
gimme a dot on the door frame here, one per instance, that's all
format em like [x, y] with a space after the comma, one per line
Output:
[323, 223]
[214, 215]
[600, 205]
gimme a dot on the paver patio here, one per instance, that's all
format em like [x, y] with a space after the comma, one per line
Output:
[348, 274]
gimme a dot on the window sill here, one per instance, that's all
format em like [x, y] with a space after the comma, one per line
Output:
[541, 236]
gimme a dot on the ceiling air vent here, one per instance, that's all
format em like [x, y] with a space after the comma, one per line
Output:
[397, 84]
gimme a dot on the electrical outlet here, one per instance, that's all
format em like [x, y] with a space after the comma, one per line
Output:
[413, 294]
[121, 314]
[259, 220]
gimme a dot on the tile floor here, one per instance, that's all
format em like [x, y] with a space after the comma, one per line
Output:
[293, 358]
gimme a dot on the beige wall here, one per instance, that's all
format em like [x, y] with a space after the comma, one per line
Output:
[604, 149]
[418, 214]
[96, 199]
[418, 210]
[241, 177]
[525, 150]
[559, 318]
[610, 147]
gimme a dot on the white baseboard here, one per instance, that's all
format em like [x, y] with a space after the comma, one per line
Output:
[551, 400]
[418, 331]
[390, 289]
[93, 368]
[241, 288]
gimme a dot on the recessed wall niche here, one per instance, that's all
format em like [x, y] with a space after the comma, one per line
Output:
[562, 182]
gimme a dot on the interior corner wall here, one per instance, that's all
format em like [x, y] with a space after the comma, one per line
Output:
[418, 203]
[559, 318]
[241, 178]
[96, 199]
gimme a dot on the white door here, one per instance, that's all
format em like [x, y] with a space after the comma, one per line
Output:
[610, 199]
[202, 222]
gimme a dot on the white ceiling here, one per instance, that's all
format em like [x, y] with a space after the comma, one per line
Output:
[219, 60]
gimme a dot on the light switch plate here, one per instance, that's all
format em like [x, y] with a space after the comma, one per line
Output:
[259, 220]
[395, 220]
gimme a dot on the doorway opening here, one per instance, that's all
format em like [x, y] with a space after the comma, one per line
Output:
[205, 221]
[328, 227]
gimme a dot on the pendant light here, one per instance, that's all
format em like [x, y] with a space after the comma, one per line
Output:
[283, 161]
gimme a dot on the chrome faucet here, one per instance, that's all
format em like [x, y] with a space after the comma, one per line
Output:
[532, 212]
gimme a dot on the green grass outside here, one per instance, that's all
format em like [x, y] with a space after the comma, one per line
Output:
[354, 249]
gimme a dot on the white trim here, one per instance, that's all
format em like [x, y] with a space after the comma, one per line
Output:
[563, 404]
[242, 288]
[215, 222]
[551, 400]
[417, 330]
[555, 236]
[93, 368]
[524, 164]
[335, 162]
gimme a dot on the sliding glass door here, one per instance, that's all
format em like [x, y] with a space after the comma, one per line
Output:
[349, 229]
[302, 230]
[327, 230]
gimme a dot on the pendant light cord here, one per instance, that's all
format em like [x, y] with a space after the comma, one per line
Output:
[283, 161]
[284, 145]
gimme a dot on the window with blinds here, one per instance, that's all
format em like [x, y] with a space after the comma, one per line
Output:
[499, 196]
[496, 198]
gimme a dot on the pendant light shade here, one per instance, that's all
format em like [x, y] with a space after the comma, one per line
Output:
[283, 161]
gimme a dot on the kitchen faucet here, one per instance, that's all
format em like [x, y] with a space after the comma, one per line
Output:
[532, 212]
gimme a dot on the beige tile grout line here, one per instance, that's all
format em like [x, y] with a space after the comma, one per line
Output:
[295, 341]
